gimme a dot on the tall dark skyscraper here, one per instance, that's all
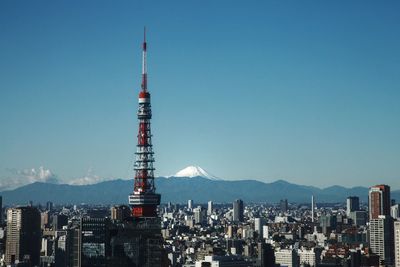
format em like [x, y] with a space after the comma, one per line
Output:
[238, 210]
[379, 201]
[23, 235]
[284, 205]
[94, 242]
[352, 204]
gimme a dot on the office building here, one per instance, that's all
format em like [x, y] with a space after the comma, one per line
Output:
[23, 236]
[284, 205]
[120, 212]
[59, 221]
[397, 243]
[210, 207]
[352, 204]
[238, 210]
[190, 204]
[94, 242]
[395, 211]
[379, 201]
[381, 238]
[287, 257]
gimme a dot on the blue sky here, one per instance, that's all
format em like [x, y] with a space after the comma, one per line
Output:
[306, 91]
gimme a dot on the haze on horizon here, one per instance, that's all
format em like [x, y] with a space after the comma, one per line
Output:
[307, 92]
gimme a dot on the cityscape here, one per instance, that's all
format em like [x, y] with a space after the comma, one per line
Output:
[195, 218]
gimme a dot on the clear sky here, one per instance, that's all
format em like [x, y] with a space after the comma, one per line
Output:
[306, 91]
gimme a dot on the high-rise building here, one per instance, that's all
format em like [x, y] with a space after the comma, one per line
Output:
[379, 201]
[312, 208]
[23, 235]
[49, 206]
[395, 211]
[397, 243]
[44, 219]
[199, 215]
[120, 212]
[265, 231]
[238, 210]
[59, 221]
[1, 210]
[353, 204]
[284, 205]
[190, 204]
[258, 226]
[359, 217]
[381, 238]
[135, 243]
[60, 249]
[210, 207]
[266, 255]
[95, 243]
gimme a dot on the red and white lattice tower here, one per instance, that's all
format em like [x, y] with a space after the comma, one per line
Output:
[144, 200]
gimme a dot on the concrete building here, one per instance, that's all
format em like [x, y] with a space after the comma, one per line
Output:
[308, 257]
[381, 238]
[23, 236]
[287, 257]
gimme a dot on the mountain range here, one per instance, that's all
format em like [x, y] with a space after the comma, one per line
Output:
[178, 189]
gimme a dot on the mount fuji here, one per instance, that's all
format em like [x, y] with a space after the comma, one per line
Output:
[195, 171]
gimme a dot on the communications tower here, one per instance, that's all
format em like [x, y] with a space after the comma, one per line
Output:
[144, 200]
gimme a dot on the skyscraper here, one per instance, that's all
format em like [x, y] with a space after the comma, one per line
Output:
[258, 226]
[284, 205]
[23, 235]
[395, 211]
[1, 210]
[353, 204]
[209, 207]
[312, 208]
[381, 238]
[379, 201]
[199, 215]
[190, 204]
[266, 255]
[238, 210]
[397, 243]
[95, 245]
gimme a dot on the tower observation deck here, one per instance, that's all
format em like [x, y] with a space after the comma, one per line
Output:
[144, 200]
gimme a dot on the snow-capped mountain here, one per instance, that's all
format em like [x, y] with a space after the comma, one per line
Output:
[195, 171]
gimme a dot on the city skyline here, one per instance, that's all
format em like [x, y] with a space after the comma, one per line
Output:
[293, 93]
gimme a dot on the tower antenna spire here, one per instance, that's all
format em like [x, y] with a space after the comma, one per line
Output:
[144, 63]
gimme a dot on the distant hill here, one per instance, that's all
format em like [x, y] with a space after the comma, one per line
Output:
[180, 189]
